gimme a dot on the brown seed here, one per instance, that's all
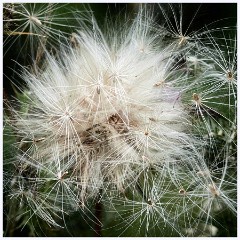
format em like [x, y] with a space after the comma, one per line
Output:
[229, 75]
[182, 191]
[195, 97]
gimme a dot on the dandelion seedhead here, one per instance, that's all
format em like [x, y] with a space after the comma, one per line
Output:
[121, 119]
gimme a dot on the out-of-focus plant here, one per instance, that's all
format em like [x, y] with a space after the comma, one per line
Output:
[128, 129]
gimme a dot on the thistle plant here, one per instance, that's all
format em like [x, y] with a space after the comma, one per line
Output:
[130, 127]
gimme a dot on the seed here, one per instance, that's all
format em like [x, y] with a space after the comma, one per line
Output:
[182, 191]
[35, 20]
